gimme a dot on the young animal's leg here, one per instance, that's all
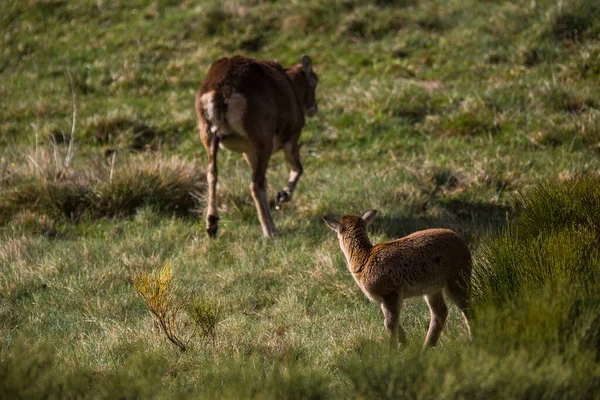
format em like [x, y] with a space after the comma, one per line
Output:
[292, 155]
[390, 306]
[258, 187]
[211, 144]
[439, 312]
[458, 292]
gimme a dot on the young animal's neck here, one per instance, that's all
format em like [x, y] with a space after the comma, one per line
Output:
[356, 247]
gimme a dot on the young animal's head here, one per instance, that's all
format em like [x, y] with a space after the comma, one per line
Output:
[351, 227]
[305, 84]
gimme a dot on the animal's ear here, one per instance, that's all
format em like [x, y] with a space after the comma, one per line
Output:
[332, 222]
[369, 216]
[306, 65]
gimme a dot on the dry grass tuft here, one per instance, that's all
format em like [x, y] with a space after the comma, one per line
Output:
[172, 186]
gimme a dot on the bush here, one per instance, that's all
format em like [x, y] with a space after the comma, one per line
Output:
[534, 284]
[121, 130]
[557, 205]
[553, 239]
[206, 314]
[168, 187]
[157, 291]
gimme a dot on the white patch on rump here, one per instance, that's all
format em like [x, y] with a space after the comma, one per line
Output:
[208, 105]
[234, 116]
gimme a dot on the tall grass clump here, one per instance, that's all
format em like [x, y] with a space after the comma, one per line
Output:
[536, 283]
[553, 239]
[36, 371]
[169, 187]
[557, 205]
[253, 377]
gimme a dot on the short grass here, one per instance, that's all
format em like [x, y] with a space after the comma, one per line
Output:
[474, 115]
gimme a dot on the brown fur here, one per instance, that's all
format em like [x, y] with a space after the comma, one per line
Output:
[255, 108]
[424, 263]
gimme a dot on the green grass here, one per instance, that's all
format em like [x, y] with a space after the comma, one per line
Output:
[474, 115]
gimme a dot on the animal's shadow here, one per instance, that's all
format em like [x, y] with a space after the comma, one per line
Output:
[471, 220]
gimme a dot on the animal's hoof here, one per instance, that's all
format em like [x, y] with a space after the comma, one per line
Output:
[282, 197]
[212, 222]
[212, 232]
[271, 234]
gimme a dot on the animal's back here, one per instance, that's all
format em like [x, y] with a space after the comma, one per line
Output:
[418, 263]
[234, 74]
[265, 89]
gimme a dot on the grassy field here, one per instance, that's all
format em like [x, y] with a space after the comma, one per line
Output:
[479, 116]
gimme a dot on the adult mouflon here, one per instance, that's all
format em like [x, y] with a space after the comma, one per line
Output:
[425, 263]
[256, 108]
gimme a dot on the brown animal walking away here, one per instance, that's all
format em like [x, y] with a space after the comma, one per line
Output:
[424, 263]
[255, 108]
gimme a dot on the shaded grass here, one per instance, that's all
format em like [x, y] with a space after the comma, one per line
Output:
[471, 373]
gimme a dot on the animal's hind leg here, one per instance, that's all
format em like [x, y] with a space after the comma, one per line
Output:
[292, 155]
[439, 312]
[211, 143]
[458, 292]
[259, 161]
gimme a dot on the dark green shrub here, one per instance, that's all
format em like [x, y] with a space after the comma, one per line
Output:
[206, 314]
[256, 378]
[556, 205]
[553, 239]
[533, 282]
[168, 188]
[121, 130]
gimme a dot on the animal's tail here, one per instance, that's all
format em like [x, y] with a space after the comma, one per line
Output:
[213, 108]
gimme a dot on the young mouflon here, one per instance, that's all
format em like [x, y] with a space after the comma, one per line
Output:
[425, 263]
